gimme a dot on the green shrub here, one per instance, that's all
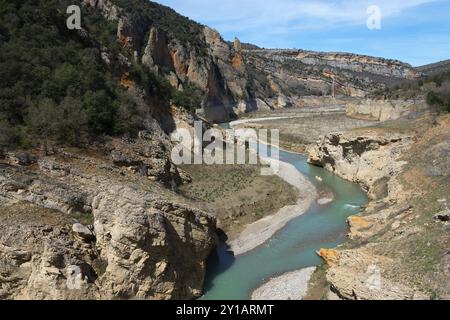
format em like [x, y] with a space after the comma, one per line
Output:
[190, 98]
[439, 100]
[54, 84]
[9, 136]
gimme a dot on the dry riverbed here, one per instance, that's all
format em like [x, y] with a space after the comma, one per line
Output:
[259, 232]
[289, 286]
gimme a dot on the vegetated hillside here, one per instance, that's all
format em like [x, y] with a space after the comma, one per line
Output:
[74, 221]
[135, 61]
[435, 89]
[65, 85]
[434, 68]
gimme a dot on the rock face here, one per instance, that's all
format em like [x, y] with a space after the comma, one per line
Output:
[289, 286]
[359, 63]
[383, 110]
[356, 275]
[232, 80]
[369, 160]
[373, 162]
[206, 62]
[158, 245]
[99, 231]
[297, 73]
[395, 239]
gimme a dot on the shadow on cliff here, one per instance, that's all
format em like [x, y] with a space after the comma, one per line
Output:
[219, 261]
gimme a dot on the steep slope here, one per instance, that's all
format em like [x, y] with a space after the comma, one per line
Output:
[102, 221]
[398, 246]
[190, 56]
[299, 72]
[85, 226]
[71, 86]
[233, 78]
[435, 68]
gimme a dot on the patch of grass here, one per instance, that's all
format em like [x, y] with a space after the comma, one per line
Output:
[318, 285]
[84, 218]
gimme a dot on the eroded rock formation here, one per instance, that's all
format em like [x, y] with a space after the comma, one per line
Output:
[235, 79]
[383, 110]
[80, 227]
[397, 238]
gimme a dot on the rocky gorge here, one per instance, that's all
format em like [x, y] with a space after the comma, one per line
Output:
[132, 243]
[92, 206]
[393, 165]
[233, 79]
[397, 246]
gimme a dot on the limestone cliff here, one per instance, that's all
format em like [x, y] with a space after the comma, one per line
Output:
[195, 56]
[365, 159]
[399, 243]
[100, 226]
[383, 110]
[299, 72]
[235, 79]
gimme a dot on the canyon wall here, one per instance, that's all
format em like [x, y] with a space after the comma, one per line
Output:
[233, 80]
[104, 226]
[398, 244]
[383, 110]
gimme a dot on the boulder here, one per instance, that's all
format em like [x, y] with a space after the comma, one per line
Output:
[83, 233]
[330, 256]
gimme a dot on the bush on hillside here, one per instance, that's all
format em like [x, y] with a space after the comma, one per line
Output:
[55, 85]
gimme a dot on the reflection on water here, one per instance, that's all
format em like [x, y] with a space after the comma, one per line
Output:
[292, 248]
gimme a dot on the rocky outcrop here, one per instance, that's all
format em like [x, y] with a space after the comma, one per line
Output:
[207, 62]
[298, 72]
[369, 160]
[40, 259]
[146, 156]
[403, 230]
[359, 63]
[358, 275]
[330, 256]
[383, 110]
[98, 231]
[232, 80]
[153, 248]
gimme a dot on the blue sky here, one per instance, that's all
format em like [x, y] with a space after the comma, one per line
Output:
[414, 31]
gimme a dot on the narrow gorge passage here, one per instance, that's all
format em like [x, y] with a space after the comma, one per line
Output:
[292, 248]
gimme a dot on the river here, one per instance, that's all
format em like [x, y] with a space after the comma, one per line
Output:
[292, 248]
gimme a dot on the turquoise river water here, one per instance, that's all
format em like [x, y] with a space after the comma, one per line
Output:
[292, 248]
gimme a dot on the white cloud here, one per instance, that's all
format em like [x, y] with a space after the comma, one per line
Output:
[330, 25]
[238, 15]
